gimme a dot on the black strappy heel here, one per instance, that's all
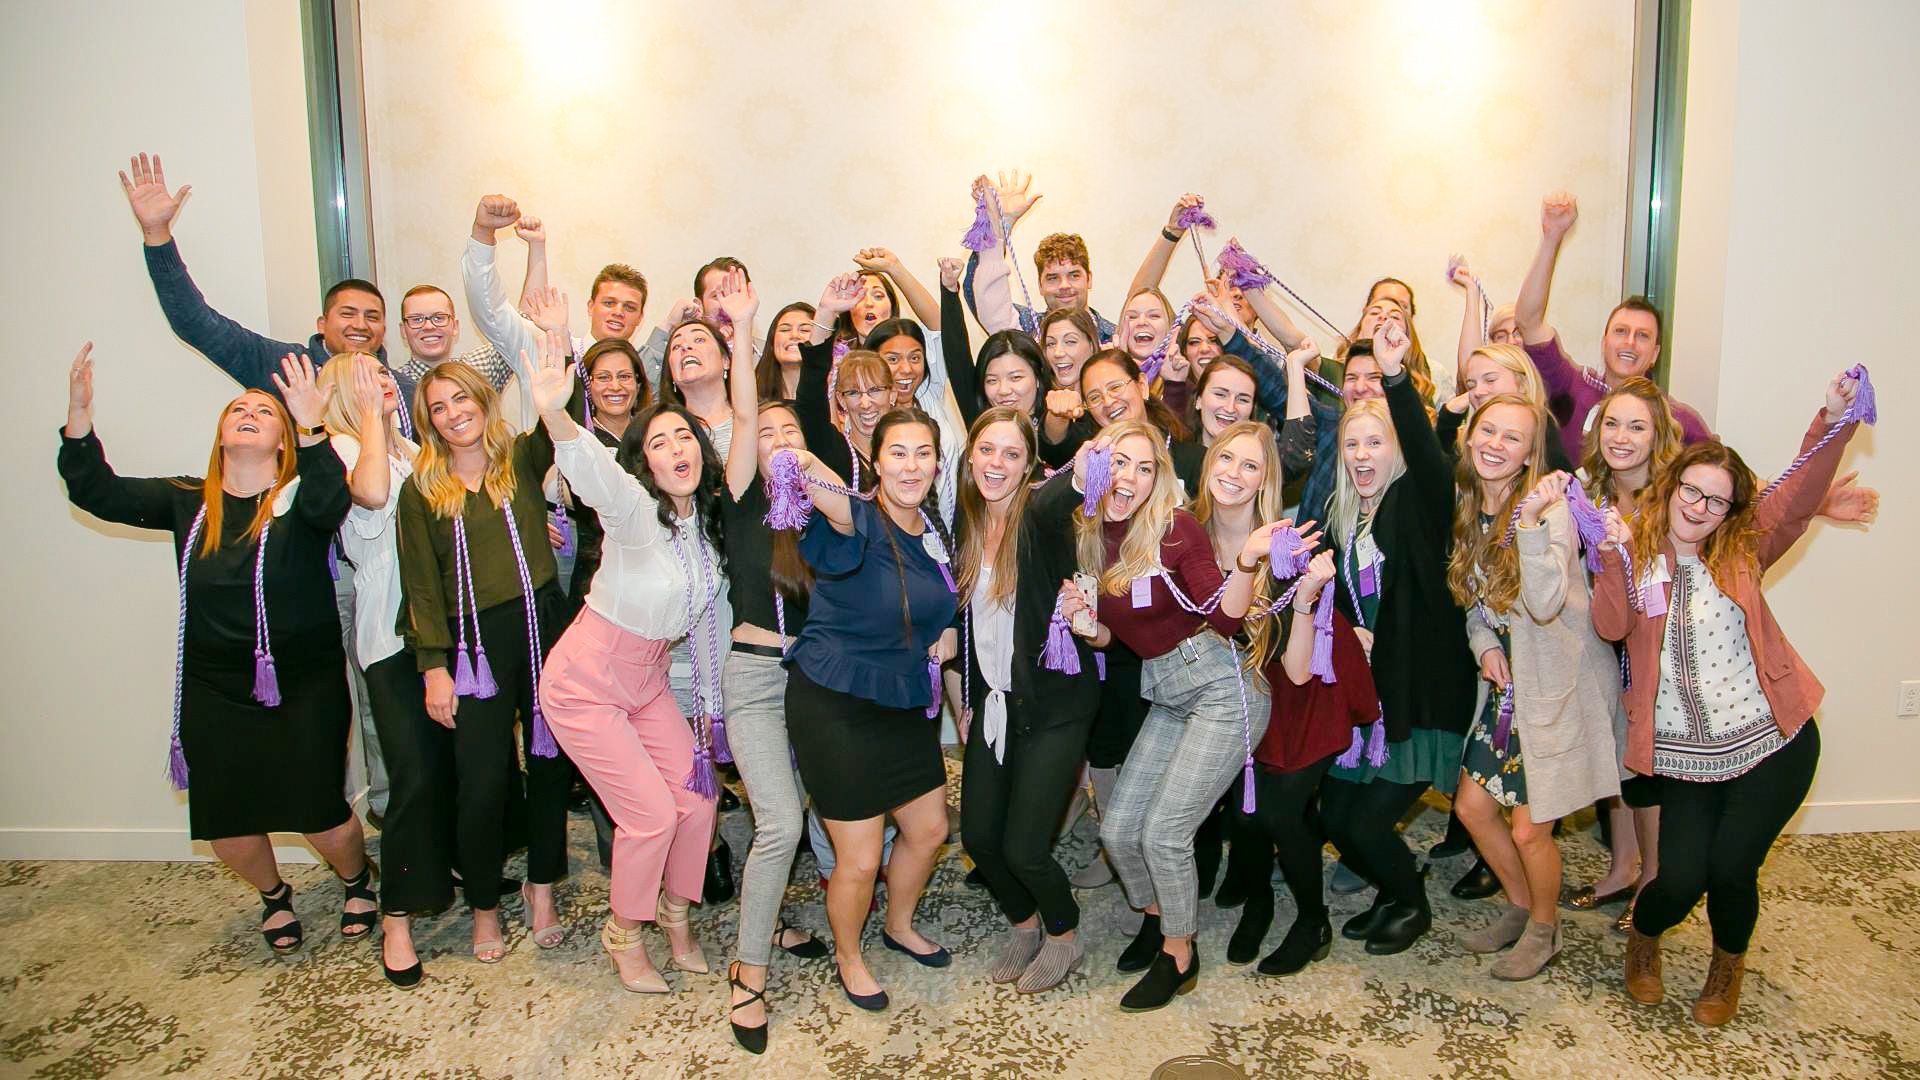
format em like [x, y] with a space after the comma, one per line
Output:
[811, 949]
[281, 939]
[751, 1039]
[357, 924]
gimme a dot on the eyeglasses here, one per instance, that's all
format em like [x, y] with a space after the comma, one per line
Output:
[607, 378]
[437, 320]
[1693, 496]
[878, 393]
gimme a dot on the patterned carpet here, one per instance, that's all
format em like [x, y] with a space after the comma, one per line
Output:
[147, 969]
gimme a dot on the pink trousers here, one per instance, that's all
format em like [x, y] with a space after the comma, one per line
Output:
[605, 695]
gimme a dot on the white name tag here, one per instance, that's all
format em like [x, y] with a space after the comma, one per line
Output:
[1142, 592]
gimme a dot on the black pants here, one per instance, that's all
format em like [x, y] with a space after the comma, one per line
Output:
[1010, 813]
[417, 841]
[1122, 711]
[1714, 836]
[1283, 820]
[492, 815]
[1361, 821]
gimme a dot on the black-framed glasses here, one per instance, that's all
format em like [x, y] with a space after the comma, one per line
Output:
[1693, 496]
[438, 320]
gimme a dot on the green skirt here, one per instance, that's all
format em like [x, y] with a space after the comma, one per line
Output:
[1427, 756]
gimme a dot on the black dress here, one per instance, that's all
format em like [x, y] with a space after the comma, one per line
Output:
[252, 769]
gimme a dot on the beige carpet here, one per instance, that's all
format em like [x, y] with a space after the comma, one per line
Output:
[144, 969]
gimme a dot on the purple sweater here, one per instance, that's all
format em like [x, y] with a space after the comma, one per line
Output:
[1572, 392]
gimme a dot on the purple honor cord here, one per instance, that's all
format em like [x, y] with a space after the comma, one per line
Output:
[266, 681]
[176, 757]
[1372, 744]
[1864, 410]
[542, 738]
[472, 675]
[709, 730]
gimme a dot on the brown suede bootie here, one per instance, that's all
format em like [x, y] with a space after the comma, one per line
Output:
[1720, 997]
[1643, 968]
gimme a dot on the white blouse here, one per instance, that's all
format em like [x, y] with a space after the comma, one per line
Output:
[647, 571]
[993, 644]
[1711, 718]
[367, 539]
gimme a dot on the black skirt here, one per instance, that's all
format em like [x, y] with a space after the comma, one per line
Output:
[859, 759]
[254, 770]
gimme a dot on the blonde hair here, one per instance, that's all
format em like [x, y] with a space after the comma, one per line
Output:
[973, 511]
[433, 467]
[1482, 569]
[213, 488]
[1269, 504]
[342, 416]
[1515, 360]
[1343, 509]
[1140, 547]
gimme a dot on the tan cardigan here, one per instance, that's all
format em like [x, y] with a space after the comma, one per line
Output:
[1566, 681]
[1790, 686]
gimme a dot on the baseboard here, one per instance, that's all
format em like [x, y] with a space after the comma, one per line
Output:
[1886, 815]
[128, 845]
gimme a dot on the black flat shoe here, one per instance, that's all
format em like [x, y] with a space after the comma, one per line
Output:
[870, 1002]
[1358, 927]
[718, 888]
[281, 939]
[938, 958]
[1308, 940]
[1397, 928]
[405, 978]
[1139, 953]
[1162, 983]
[811, 949]
[751, 1039]
[1244, 946]
[1477, 883]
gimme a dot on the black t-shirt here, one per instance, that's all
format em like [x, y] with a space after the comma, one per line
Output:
[750, 563]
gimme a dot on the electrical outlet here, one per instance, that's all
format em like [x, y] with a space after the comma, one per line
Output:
[1909, 701]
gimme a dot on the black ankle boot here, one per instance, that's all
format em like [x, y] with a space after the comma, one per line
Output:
[1477, 883]
[1244, 946]
[1309, 939]
[1455, 842]
[1398, 927]
[1140, 952]
[719, 884]
[1357, 928]
[1162, 983]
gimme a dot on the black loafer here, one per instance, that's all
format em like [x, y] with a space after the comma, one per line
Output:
[1358, 927]
[1397, 928]
[1161, 984]
[1477, 883]
[938, 958]
[1139, 953]
[1244, 946]
[1308, 940]
[718, 888]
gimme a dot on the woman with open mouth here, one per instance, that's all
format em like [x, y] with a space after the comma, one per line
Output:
[483, 607]
[1535, 749]
[1733, 743]
[604, 690]
[863, 686]
[617, 388]
[1068, 339]
[904, 346]
[1206, 708]
[261, 715]
[842, 397]
[1025, 726]
[1224, 395]
[695, 374]
[1391, 520]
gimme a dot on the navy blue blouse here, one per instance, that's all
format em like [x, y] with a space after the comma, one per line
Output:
[855, 639]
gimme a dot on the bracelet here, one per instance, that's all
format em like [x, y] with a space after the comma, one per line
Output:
[1172, 237]
[821, 325]
[1244, 568]
[1298, 610]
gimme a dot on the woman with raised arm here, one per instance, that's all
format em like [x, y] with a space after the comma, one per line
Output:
[1500, 326]
[1026, 723]
[776, 377]
[843, 393]
[616, 384]
[863, 684]
[1733, 741]
[1391, 520]
[1542, 745]
[261, 706]
[604, 689]
[1154, 571]
[482, 609]
[1068, 339]
[1010, 371]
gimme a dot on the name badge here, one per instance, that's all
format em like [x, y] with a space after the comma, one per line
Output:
[1142, 592]
[1369, 579]
[1656, 599]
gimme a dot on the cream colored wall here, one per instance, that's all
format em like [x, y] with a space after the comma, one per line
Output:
[1802, 214]
[217, 88]
[1339, 141]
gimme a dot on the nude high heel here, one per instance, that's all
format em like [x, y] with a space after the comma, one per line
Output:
[674, 917]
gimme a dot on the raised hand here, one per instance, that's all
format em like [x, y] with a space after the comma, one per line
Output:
[494, 212]
[369, 391]
[146, 192]
[950, 274]
[1176, 367]
[1305, 353]
[737, 298]
[1850, 503]
[1390, 345]
[1319, 571]
[877, 260]
[1215, 313]
[1067, 403]
[530, 230]
[1015, 198]
[551, 383]
[1551, 489]
[1558, 211]
[1458, 271]
[841, 294]
[1186, 202]
[1310, 534]
[547, 308]
[305, 401]
[80, 393]
[1840, 394]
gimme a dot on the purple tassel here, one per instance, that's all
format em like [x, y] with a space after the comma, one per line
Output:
[1100, 665]
[483, 684]
[980, 235]
[1246, 787]
[266, 682]
[1503, 727]
[1322, 663]
[1150, 367]
[1351, 757]
[1588, 521]
[841, 348]
[933, 676]
[1282, 558]
[787, 503]
[177, 765]
[1059, 653]
[1098, 478]
[1865, 408]
[722, 749]
[463, 684]
[1377, 743]
[1194, 217]
[543, 744]
[700, 781]
[1242, 270]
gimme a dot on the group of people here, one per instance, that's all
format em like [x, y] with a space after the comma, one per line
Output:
[1233, 581]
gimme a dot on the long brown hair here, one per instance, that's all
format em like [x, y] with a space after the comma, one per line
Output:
[1667, 439]
[1483, 569]
[1729, 546]
[973, 511]
[433, 467]
[767, 381]
[904, 416]
[213, 488]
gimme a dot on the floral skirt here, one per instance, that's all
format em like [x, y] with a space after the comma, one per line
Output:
[1496, 768]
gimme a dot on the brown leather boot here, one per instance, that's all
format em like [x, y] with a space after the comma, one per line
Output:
[1720, 997]
[1643, 968]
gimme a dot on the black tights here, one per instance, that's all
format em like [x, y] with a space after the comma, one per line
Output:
[1715, 835]
[1282, 819]
[1361, 821]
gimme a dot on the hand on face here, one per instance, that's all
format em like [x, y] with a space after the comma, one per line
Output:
[373, 392]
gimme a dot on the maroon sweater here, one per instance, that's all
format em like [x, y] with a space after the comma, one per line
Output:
[1314, 720]
[1155, 629]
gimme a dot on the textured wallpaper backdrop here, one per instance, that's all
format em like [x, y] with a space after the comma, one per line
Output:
[1341, 140]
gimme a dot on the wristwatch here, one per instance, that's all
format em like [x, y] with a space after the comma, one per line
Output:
[310, 432]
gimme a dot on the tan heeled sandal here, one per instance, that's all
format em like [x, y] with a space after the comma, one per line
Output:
[673, 916]
[616, 939]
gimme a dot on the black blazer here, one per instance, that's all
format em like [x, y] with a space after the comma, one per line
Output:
[1422, 666]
